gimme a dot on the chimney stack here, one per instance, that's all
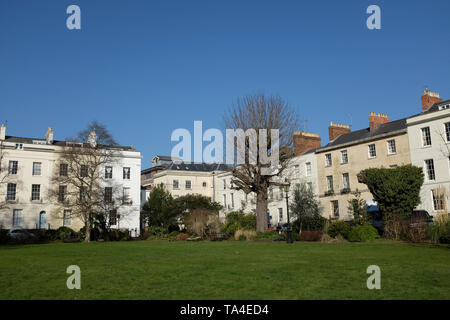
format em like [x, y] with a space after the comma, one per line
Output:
[3, 132]
[429, 98]
[92, 139]
[304, 141]
[49, 136]
[335, 130]
[376, 119]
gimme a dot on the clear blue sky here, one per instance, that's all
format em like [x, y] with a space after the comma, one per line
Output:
[145, 68]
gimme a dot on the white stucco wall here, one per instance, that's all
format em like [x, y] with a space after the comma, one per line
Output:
[47, 155]
[438, 151]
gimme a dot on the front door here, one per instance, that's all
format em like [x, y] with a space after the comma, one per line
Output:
[42, 220]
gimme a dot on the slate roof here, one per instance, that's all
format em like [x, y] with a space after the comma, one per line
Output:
[59, 143]
[435, 107]
[163, 158]
[201, 167]
[363, 134]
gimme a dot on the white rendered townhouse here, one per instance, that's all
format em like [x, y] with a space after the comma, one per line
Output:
[429, 140]
[28, 166]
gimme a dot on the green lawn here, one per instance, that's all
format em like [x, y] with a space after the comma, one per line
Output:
[224, 270]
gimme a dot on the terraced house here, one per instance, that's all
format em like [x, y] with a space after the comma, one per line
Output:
[429, 140]
[383, 144]
[28, 166]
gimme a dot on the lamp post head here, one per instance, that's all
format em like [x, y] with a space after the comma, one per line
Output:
[286, 185]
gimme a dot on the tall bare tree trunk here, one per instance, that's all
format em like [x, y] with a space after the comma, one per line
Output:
[261, 211]
[88, 230]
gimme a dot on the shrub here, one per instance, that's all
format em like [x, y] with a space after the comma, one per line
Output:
[173, 234]
[198, 220]
[270, 235]
[64, 233]
[182, 236]
[156, 231]
[363, 234]
[339, 227]
[245, 235]
[235, 221]
[4, 237]
[439, 231]
[314, 235]
[326, 238]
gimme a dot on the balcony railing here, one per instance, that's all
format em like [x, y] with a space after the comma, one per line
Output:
[345, 190]
[329, 193]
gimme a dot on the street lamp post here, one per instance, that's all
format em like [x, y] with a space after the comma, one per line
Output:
[289, 228]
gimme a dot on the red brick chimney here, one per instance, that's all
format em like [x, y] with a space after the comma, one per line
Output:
[376, 119]
[335, 130]
[304, 141]
[429, 98]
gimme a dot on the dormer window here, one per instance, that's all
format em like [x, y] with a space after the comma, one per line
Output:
[445, 106]
[19, 146]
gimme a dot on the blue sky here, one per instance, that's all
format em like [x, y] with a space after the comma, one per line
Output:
[146, 68]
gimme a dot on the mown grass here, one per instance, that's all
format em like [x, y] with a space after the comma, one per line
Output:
[224, 270]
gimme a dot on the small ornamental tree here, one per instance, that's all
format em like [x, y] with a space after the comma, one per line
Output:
[305, 208]
[159, 210]
[191, 202]
[357, 207]
[397, 190]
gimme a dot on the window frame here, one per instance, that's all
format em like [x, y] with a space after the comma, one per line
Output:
[328, 160]
[67, 218]
[308, 169]
[35, 192]
[430, 170]
[37, 169]
[447, 131]
[126, 175]
[330, 188]
[108, 175]
[63, 169]
[11, 194]
[390, 152]
[13, 167]
[426, 137]
[342, 157]
[84, 171]
[17, 216]
[370, 151]
[108, 197]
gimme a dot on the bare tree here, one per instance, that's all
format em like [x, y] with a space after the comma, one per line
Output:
[103, 135]
[261, 112]
[81, 182]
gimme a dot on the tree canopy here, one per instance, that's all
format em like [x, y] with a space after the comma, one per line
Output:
[396, 190]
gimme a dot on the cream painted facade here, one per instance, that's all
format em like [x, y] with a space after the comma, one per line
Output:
[181, 183]
[358, 159]
[43, 213]
[438, 151]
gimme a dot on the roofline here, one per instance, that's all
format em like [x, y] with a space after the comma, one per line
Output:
[55, 143]
[355, 142]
